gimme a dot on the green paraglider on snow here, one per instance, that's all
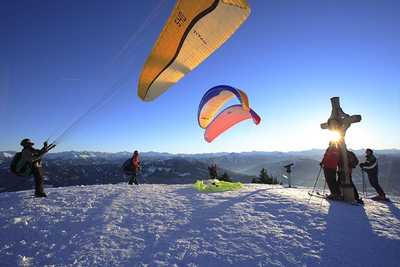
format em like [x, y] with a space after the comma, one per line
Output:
[216, 186]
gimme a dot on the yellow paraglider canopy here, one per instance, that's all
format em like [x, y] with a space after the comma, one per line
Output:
[195, 29]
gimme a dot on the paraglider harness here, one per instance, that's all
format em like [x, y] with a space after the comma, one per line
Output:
[23, 169]
[127, 167]
[16, 168]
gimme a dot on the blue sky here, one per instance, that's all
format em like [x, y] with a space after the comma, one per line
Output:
[59, 57]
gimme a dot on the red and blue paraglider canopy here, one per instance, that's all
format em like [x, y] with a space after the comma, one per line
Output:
[212, 102]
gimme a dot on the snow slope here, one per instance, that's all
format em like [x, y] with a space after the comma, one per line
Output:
[174, 225]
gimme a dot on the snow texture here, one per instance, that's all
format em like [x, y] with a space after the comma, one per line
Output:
[7, 155]
[174, 225]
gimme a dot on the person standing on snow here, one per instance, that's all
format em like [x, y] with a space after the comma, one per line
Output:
[135, 167]
[329, 164]
[370, 166]
[352, 163]
[31, 158]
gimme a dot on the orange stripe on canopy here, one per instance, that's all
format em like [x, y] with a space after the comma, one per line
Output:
[227, 119]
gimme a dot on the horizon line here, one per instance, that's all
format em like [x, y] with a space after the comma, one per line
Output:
[203, 153]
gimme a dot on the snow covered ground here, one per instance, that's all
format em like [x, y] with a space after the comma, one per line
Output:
[174, 225]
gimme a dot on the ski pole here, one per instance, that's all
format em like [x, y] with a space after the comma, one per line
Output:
[315, 184]
[364, 185]
[316, 180]
[323, 194]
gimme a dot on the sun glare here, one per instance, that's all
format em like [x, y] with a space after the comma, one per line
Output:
[334, 136]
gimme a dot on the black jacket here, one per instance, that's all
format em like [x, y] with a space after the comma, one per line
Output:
[32, 156]
[370, 165]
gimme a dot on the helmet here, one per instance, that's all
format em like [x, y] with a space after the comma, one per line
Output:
[26, 142]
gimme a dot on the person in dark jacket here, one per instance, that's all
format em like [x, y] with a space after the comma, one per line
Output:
[212, 171]
[370, 166]
[329, 164]
[135, 167]
[32, 159]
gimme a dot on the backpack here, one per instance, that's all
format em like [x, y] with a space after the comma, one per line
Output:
[127, 166]
[17, 168]
[14, 162]
[353, 160]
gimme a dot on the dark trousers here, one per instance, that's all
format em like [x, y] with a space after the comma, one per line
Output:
[373, 180]
[330, 177]
[133, 179]
[38, 175]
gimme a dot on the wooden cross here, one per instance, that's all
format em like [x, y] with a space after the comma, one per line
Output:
[340, 122]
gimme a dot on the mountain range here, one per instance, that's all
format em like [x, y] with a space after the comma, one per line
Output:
[85, 167]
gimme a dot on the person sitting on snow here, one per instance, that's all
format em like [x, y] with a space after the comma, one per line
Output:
[212, 171]
[370, 166]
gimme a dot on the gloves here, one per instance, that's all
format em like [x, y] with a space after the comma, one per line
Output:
[45, 144]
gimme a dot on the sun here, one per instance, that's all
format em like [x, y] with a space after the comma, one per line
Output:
[334, 136]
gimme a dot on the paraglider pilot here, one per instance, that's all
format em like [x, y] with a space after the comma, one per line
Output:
[31, 158]
[135, 167]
